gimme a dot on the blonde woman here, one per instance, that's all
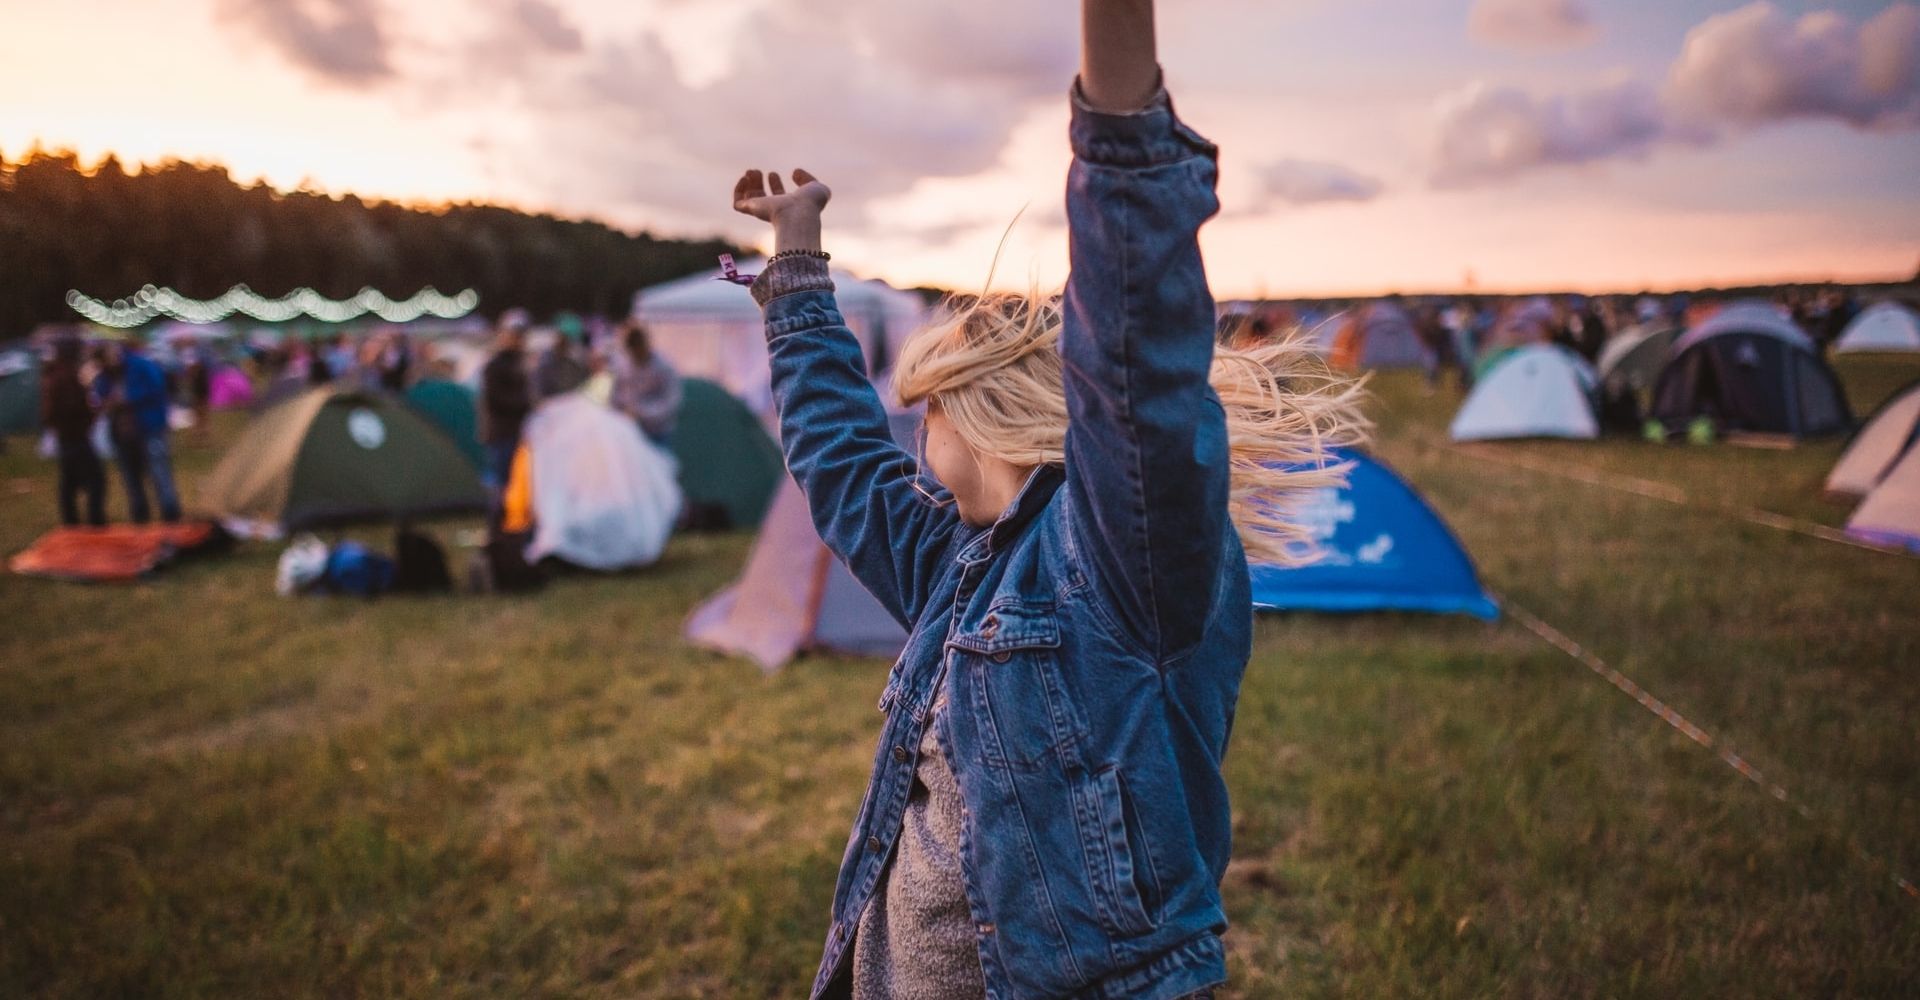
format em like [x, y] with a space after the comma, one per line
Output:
[1046, 816]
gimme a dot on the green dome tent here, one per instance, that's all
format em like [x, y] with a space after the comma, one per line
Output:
[454, 409]
[729, 466]
[333, 456]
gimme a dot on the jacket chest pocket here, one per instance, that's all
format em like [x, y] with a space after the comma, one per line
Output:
[1024, 712]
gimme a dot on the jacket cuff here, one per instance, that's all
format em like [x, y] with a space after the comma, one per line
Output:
[789, 275]
[1149, 137]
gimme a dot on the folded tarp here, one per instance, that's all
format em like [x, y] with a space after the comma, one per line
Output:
[118, 553]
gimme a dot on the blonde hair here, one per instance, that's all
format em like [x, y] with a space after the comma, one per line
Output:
[993, 366]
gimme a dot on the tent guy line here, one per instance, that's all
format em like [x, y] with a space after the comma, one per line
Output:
[1670, 494]
[1559, 640]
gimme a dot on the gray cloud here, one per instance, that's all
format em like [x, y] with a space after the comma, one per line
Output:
[1489, 133]
[1737, 72]
[343, 41]
[872, 96]
[547, 25]
[1532, 23]
[1304, 182]
[1757, 65]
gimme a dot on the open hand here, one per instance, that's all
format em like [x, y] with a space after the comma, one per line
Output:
[766, 198]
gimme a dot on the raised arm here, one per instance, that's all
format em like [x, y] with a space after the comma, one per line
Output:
[1147, 467]
[859, 484]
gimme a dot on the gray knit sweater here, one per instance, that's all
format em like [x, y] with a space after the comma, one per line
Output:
[916, 938]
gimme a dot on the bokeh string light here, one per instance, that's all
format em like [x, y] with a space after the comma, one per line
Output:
[150, 302]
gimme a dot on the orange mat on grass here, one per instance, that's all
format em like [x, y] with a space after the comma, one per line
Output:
[117, 553]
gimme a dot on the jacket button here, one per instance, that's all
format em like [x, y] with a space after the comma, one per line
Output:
[900, 755]
[873, 844]
[1002, 656]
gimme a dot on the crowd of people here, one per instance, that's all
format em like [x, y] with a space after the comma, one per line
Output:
[114, 402]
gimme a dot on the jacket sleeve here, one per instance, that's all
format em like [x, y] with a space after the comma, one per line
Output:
[1146, 447]
[859, 484]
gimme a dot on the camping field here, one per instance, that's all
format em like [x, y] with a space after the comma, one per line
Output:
[206, 790]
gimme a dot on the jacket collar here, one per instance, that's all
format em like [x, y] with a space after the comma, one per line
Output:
[1042, 483]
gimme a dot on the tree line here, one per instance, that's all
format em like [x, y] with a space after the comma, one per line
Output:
[107, 231]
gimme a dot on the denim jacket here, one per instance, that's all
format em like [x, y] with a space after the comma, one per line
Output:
[1090, 642]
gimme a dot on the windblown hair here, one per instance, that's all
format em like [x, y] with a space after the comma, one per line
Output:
[992, 365]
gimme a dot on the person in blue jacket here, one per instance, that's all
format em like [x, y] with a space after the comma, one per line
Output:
[1046, 815]
[132, 389]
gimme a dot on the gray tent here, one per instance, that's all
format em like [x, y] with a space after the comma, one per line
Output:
[795, 595]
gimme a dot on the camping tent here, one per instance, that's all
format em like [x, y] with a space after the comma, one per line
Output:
[603, 496]
[729, 467]
[1380, 335]
[19, 391]
[334, 455]
[1633, 358]
[228, 388]
[1384, 550]
[1748, 368]
[1886, 437]
[466, 357]
[1539, 391]
[794, 595]
[1890, 515]
[714, 330]
[452, 407]
[1888, 326]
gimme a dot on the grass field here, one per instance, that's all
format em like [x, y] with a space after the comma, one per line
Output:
[209, 791]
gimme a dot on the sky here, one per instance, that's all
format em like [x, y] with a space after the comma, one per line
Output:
[1366, 145]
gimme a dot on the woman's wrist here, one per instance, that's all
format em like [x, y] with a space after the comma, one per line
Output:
[797, 230]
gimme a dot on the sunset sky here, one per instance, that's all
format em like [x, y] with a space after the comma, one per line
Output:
[1367, 145]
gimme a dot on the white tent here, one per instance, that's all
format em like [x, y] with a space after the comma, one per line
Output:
[603, 497]
[1878, 447]
[1534, 392]
[713, 329]
[1891, 513]
[1888, 326]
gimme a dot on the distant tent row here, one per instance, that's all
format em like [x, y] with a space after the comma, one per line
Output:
[1746, 368]
[1881, 467]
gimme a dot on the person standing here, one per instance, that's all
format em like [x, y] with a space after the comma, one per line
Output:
[505, 399]
[68, 412]
[561, 369]
[133, 390]
[645, 387]
[1047, 815]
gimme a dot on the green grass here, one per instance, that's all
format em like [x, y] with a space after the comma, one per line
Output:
[208, 791]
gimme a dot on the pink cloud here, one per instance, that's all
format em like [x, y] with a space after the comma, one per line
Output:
[1549, 24]
[1303, 182]
[1488, 133]
[1739, 71]
[1757, 65]
[343, 41]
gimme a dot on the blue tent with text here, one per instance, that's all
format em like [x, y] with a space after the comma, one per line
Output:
[1384, 549]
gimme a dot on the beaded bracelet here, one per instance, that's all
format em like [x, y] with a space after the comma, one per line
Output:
[784, 254]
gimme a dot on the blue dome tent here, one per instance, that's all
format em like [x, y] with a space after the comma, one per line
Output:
[1385, 550]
